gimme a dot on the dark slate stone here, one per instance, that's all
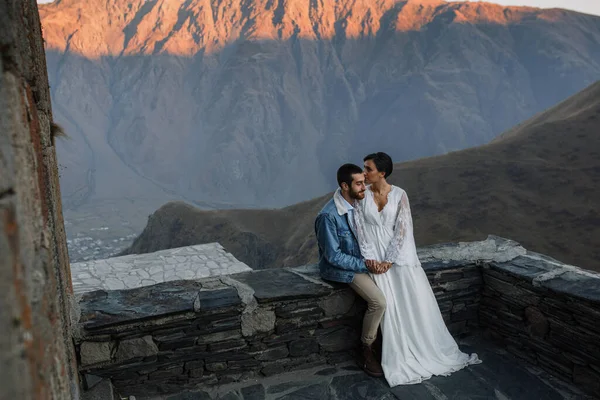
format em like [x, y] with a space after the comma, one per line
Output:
[227, 345]
[182, 342]
[319, 391]
[287, 325]
[303, 347]
[360, 387]
[233, 395]
[337, 338]
[90, 380]
[458, 294]
[166, 373]
[101, 308]
[468, 312]
[298, 310]
[326, 371]
[312, 271]
[576, 285]
[212, 300]
[217, 366]
[212, 324]
[522, 267]
[254, 392]
[444, 277]
[227, 356]
[415, 392]
[284, 387]
[462, 385]
[190, 396]
[463, 283]
[242, 364]
[274, 353]
[286, 337]
[287, 364]
[501, 372]
[444, 264]
[280, 284]
[512, 293]
[445, 306]
[340, 357]
[194, 365]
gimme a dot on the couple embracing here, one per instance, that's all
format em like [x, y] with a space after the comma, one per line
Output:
[365, 237]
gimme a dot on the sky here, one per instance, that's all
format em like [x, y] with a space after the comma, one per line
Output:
[585, 6]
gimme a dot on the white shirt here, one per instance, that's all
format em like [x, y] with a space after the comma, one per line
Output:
[343, 207]
[350, 211]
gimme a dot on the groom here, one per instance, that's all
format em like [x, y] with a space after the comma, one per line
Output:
[340, 259]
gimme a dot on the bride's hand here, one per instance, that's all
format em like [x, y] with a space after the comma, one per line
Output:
[384, 267]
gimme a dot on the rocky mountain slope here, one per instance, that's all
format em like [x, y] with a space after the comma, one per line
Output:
[256, 102]
[538, 184]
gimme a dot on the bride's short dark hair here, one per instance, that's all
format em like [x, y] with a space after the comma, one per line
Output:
[382, 162]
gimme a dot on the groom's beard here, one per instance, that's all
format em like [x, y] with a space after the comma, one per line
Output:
[357, 195]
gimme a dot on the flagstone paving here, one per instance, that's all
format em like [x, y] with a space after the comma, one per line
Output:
[501, 376]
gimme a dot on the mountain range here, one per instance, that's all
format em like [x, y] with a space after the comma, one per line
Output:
[538, 184]
[255, 102]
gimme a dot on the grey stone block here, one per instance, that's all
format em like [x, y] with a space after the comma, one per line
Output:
[216, 366]
[95, 352]
[259, 320]
[134, 348]
[102, 391]
[338, 303]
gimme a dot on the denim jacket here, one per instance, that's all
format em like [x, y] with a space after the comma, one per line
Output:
[339, 253]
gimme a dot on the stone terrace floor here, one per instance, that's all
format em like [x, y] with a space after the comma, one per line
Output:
[501, 376]
[137, 270]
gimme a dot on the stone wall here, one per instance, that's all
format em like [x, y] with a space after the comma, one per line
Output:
[546, 313]
[174, 335]
[36, 350]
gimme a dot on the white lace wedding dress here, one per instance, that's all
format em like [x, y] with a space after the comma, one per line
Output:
[416, 342]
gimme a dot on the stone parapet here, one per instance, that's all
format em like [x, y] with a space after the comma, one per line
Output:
[180, 334]
[547, 313]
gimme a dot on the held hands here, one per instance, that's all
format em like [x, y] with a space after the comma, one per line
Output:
[377, 267]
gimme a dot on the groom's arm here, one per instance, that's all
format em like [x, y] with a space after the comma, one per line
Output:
[326, 231]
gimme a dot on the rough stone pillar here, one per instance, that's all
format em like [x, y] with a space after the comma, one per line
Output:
[36, 349]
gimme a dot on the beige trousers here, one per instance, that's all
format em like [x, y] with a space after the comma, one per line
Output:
[364, 286]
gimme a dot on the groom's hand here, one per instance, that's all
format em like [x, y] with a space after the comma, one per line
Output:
[371, 265]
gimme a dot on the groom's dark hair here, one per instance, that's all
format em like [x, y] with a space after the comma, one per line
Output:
[345, 172]
[382, 161]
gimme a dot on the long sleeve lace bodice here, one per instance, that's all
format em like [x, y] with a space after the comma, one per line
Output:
[386, 235]
[402, 226]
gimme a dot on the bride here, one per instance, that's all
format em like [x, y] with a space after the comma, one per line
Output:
[416, 342]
